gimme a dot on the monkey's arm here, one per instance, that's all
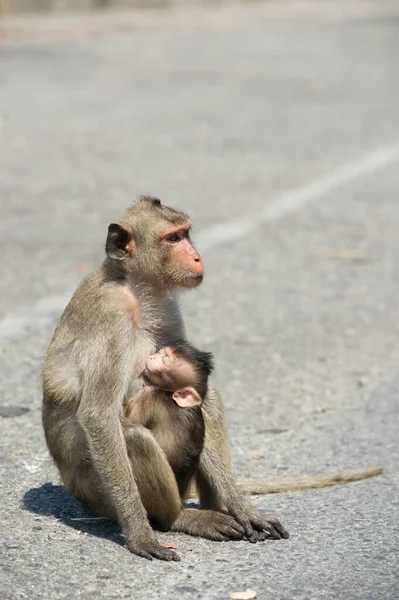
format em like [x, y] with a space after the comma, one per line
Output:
[98, 415]
[216, 486]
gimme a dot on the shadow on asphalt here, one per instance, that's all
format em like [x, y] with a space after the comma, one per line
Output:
[53, 500]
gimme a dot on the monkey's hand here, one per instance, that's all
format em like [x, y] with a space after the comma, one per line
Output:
[257, 525]
[148, 547]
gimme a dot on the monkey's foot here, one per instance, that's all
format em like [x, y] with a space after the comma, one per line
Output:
[209, 524]
[258, 526]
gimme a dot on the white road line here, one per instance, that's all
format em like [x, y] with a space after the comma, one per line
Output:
[295, 199]
[46, 309]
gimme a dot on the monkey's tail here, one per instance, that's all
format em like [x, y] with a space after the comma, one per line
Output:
[276, 485]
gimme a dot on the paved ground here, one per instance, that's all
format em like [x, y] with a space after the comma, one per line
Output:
[280, 122]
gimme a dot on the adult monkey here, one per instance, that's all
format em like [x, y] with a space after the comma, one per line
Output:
[119, 315]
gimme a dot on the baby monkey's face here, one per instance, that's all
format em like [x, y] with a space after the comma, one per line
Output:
[168, 371]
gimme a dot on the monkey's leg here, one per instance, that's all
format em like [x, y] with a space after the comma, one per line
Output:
[160, 496]
[84, 484]
[215, 482]
[209, 524]
[154, 477]
[156, 486]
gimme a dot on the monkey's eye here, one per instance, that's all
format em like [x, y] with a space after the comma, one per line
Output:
[167, 361]
[176, 236]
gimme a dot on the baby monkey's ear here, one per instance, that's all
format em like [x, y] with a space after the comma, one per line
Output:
[186, 397]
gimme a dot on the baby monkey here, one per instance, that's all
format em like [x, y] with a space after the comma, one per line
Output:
[169, 405]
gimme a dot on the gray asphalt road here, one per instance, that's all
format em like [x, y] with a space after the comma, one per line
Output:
[280, 122]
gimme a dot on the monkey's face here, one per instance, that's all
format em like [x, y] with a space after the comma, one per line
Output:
[172, 373]
[152, 243]
[168, 371]
[182, 265]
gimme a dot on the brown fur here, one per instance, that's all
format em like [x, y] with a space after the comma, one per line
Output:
[118, 316]
[178, 431]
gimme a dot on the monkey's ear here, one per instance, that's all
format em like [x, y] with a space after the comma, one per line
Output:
[187, 396]
[119, 242]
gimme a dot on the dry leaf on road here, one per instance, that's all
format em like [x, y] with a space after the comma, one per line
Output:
[246, 595]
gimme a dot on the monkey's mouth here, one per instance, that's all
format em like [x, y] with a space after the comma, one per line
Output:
[148, 373]
[193, 280]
